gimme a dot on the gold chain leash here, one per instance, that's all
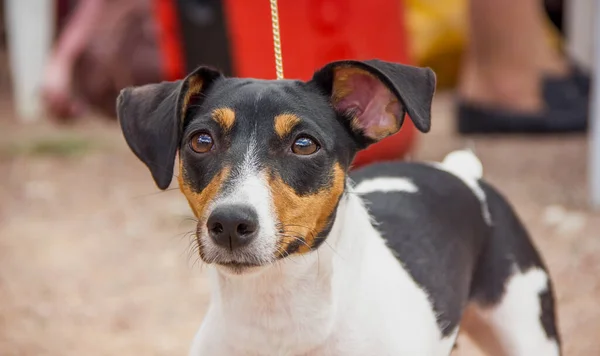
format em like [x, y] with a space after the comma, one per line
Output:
[276, 39]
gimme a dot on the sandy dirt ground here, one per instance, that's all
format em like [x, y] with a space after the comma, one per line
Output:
[95, 261]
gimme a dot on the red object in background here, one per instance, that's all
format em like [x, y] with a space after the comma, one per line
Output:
[169, 39]
[315, 32]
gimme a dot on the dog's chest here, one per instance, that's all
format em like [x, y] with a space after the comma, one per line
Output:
[388, 315]
[291, 322]
[377, 310]
[287, 321]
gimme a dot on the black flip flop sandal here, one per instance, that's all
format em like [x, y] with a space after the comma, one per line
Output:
[566, 111]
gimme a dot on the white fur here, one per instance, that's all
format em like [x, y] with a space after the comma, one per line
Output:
[447, 343]
[386, 184]
[352, 298]
[516, 319]
[465, 165]
[464, 162]
[251, 188]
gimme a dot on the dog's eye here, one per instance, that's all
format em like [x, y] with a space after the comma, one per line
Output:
[201, 142]
[304, 146]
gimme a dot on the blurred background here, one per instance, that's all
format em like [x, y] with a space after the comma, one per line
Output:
[95, 261]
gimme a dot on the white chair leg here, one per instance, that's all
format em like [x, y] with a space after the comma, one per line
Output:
[30, 30]
[579, 29]
[594, 136]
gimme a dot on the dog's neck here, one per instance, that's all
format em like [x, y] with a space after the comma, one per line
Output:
[278, 298]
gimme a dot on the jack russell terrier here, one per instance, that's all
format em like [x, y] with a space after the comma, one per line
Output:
[308, 259]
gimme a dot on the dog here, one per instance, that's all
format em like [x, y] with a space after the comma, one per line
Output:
[308, 258]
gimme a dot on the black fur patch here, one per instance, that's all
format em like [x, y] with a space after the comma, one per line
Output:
[441, 238]
[509, 246]
[436, 233]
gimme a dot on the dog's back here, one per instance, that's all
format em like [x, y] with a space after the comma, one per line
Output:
[461, 241]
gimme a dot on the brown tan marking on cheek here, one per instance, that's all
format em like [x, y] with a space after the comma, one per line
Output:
[284, 124]
[225, 117]
[194, 87]
[199, 201]
[305, 216]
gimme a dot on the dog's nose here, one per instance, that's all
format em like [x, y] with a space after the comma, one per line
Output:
[233, 226]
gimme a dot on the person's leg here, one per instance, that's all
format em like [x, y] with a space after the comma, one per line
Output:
[71, 43]
[508, 61]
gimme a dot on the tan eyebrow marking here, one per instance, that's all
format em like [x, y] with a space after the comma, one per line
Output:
[285, 123]
[225, 117]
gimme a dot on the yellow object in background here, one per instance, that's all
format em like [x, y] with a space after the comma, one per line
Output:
[437, 30]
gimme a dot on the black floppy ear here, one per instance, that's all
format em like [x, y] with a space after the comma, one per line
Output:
[375, 95]
[151, 118]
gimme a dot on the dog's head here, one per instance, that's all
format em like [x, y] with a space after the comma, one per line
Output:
[263, 163]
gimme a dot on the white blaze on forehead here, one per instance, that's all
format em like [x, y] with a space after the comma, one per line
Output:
[250, 163]
[248, 184]
[248, 166]
[386, 184]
